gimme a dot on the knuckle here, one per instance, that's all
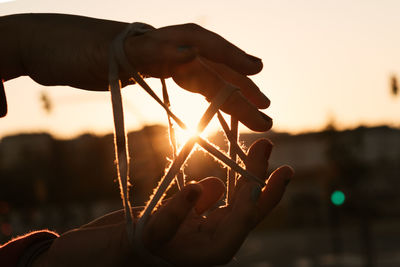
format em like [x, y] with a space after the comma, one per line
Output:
[192, 27]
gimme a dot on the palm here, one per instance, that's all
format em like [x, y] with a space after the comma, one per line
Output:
[199, 236]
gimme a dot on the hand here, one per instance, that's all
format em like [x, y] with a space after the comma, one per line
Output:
[71, 50]
[177, 232]
[202, 62]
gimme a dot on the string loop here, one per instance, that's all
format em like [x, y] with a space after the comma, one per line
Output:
[117, 59]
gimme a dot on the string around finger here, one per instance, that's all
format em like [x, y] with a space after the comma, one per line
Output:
[175, 171]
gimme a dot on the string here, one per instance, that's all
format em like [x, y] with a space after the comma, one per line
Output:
[120, 143]
[176, 165]
[231, 135]
[180, 181]
[233, 151]
[118, 58]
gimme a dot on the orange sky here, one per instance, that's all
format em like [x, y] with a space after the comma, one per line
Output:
[322, 59]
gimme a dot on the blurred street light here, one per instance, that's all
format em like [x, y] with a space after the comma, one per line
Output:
[338, 198]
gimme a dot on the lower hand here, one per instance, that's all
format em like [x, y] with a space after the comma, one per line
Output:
[177, 232]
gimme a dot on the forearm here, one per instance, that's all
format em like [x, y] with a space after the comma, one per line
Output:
[10, 56]
[57, 49]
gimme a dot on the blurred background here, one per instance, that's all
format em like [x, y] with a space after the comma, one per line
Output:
[331, 70]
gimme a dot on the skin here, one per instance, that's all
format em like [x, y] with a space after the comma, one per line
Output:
[55, 49]
[45, 47]
[177, 232]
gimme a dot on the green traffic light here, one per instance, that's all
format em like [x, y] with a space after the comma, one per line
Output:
[338, 198]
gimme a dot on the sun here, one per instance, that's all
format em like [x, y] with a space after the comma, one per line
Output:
[183, 135]
[189, 108]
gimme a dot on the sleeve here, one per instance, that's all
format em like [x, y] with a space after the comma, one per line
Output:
[25, 248]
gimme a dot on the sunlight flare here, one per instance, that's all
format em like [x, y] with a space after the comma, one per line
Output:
[183, 135]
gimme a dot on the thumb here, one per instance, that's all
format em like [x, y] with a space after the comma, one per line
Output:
[213, 191]
[165, 222]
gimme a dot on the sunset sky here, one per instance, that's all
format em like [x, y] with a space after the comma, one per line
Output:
[323, 60]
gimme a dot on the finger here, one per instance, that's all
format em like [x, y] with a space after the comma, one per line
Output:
[274, 190]
[166, 221]
[244, 215]
[212, 46]
[258, 156]
[213, 191]
[248, 88]
[197, 77]
[232, 232]
[257, 161]
[250, 207]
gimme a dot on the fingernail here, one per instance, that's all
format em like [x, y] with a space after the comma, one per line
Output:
[192, 196]
[266, 100]
[253, 58]
[267, 119]
[183, 48]
[289, 174]
[255, 193]
[268, 149]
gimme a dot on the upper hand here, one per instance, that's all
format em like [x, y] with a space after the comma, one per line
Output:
[72, 50]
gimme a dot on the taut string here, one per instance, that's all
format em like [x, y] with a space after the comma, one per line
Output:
[118, 59]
